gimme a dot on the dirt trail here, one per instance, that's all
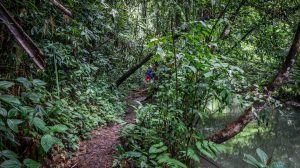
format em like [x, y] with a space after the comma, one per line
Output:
[99, 151]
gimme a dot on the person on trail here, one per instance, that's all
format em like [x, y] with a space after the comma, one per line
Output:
[150, 76]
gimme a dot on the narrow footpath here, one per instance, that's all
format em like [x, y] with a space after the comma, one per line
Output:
[99, 151]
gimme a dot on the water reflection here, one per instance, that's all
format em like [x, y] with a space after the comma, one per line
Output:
[281, 139]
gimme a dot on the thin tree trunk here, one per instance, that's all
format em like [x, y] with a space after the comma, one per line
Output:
[22, 38]
[175, 59]
[237, 126]
[242, 39]
[144, 10]
[177, 20]
[218, 19]
[226, 30]
[61, 7]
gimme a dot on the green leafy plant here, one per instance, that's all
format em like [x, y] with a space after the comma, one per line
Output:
[264, 162]
[26, 118]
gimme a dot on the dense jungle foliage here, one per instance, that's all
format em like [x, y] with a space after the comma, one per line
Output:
[213, 57]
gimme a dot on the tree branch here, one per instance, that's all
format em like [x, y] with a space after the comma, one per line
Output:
[61, 7]
[237, 126]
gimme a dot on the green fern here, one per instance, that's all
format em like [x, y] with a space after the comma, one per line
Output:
[165, 159]
[191, 153]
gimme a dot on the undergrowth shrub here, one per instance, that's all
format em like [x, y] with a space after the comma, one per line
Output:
[33, 120]
[95, 106]
[194, 84]
[26, 129]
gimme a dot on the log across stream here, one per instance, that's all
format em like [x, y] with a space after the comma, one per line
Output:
[280, 138]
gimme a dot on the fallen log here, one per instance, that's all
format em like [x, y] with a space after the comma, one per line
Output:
[294, 104]
[22, 38]
[237, 126]
[132, 70]
[61, 7]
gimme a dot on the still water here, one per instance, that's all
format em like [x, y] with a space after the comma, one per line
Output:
[280, 139]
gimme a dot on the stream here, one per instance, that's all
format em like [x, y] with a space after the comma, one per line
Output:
[280, 139]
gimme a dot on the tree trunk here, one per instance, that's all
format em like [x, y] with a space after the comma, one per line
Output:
[144, 10]
[133, 69]
[61, 7]
[22, 38]
[242, 39]
[237, 126]
[226, 30]
[218, 19]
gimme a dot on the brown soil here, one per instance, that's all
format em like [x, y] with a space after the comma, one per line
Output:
[99, 151]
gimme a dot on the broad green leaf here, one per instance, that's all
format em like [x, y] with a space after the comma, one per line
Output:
[26, 83]
[11, 136]
[131, 154]
[13, 113]
[59, 128]
[213, 2]
[6, 84]
[192, 68]
[31, 163]
[38, 82]
[13, 100]
[217, 65]
[154, 150]
[40, 124]
[34, 97]
[251, 160]
[48, 141]
[2, 124]
[160, 51]
[158, 145]
[154, 39]
[9, 154]
[25, 111]
[12, 163]
[278, 165]
[208, 74]
[3, 112]
[13, 124]
[262, 155]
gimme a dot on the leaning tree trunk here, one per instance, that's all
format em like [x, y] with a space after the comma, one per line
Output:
[133, 69]
[22, 38]
[237, 126]
[61, 7]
